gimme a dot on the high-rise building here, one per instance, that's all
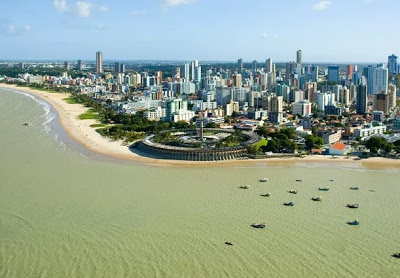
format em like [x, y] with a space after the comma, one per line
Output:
[123, 68]
[195, 64]
[369, 73]
[99, 62]
[238, 80]
[298, 60]
[292, 67]
[380, 79]
[361, 99]
[240, 66]
[197, 74]
[117, 67]
[333, 73]
[393, 67]
[80, 65]
[173, 106]
[178, 73]
[350, 71]
[187, 72]
[302, 108]
[275, 106]
[381, 102]
[66, 65]
[21, 65]
[311, 73]
[268, 65]
[254, 67]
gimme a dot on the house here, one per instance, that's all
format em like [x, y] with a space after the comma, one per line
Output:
[339, 149]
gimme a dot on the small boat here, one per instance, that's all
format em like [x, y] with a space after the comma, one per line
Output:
[299, 180]
[354, 188]
[264, 180]
[353, 206]
[290, 204]
[353, 223]
[317, 199]
[258, 225]
[266, 194]
[228, 242]
[292, 191]
[28, 123]
[244, 186]
[323, 188]
[331, 180]
[371, 190]
[396, 255]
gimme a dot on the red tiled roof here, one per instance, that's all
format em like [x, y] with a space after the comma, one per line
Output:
[339, 146]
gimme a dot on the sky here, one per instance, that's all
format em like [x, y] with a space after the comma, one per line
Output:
[337, 31]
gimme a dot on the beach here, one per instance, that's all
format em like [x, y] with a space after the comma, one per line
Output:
[66, 211]
[81, 132]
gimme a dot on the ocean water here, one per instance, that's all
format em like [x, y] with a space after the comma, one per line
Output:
[66, 212]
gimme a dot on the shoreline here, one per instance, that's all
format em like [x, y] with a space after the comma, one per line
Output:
[81, 132]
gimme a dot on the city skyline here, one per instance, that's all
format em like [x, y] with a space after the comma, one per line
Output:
[167, 30]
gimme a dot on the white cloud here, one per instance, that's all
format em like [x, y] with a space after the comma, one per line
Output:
[60, 5]
[12, 29]
[174, 3]
[138, 12]
[100, 26]
[103, 9]
[267, 36]
[322, 5]
[83, 9]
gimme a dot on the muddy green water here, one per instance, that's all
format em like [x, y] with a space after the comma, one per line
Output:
[67, 213]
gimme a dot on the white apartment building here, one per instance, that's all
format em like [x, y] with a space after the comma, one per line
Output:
[368, 131]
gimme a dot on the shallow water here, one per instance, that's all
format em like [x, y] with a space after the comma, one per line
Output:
[65, 212]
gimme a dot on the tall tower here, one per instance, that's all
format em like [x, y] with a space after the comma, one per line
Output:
[268, 65]
[298, 60]
[361, 99]
[254, 67]
[187, 72]
[99, 62]
[392, 64]
[117, 68]
[80, 65]
[240, 66]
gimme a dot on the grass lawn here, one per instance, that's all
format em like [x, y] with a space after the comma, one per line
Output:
[89, 115]
[97, 125]
[71, 100]
[263, 142]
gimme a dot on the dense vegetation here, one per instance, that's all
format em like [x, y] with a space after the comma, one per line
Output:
[281, 141]
[375, 144]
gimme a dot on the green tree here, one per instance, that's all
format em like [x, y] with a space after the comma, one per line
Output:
[314, 141]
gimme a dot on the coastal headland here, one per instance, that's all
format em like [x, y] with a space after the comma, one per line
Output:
[82, 132]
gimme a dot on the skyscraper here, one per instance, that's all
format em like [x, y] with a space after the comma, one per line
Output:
[66, 65]
[350, 71]
[99, 62]
[298, 60]
[240, 66]
[268, 65]
[254, 67]
[187, 72]
[333, 73]
[80, 65]
[117, 67]
[393, 67]
[195, 64]
[361, 99]
[380, 79]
